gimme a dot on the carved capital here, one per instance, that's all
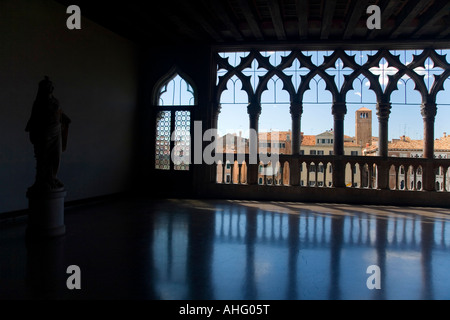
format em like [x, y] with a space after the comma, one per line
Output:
[216, 107]
[296, 108]
[254, 109]
[428, 110]
[339, 110]
[383, 110]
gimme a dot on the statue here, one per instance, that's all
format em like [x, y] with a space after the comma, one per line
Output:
[48, 128]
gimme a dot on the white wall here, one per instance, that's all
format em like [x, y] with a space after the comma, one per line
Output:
[94, 72]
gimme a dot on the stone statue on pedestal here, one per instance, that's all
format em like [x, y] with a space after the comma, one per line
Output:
[48, 128]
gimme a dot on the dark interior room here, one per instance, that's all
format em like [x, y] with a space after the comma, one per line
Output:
[225, 150]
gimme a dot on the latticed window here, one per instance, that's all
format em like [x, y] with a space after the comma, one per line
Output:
[175, 98]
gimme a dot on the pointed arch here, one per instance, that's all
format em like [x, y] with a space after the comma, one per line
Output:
[162, 86]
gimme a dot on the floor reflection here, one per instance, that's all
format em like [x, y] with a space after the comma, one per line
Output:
[254, 250]
[192, 249]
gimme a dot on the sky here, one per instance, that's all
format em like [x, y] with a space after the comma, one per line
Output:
[405, 119]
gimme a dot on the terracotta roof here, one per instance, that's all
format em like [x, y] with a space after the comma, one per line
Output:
[363, 109]
[442, 144]
[308, 140]
[351, 144]
[267, 136]
[406, 144]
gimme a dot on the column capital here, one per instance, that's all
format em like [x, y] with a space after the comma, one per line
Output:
[254, 109]
[339, 110]
[383, 110]
[428, 110]
[296, 108]
[216, 107]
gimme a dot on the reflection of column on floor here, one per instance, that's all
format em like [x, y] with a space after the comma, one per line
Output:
[336, 237]
[380, 245]
[427, 242]
[294, 247]
[199, 256]
[250, 288]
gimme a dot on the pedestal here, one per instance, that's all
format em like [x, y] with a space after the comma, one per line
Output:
[46, 213]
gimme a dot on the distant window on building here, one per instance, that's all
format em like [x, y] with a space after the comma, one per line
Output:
[302, 152]
[313, 152]
[320, 152]
[331, 152]
[354, 153]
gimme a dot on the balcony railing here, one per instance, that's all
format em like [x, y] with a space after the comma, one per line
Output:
[356, 172]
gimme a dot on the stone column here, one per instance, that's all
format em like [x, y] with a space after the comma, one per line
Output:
[339, 110]
[214, 122]
[254, 111]
[383, 111]
[296, 110]
[428, 111]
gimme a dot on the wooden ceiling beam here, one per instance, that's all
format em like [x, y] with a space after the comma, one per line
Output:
[302, 15]
[446, 30]
[406, 16]
[357, 9]
[200, 19]
[220, 11]
[184, 28]
[251, 19]
[277, 20]
[440, 9]
[327, 18]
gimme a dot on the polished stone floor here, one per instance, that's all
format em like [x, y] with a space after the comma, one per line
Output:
[205, 249]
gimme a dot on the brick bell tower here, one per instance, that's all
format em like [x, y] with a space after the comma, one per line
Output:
[363, 130]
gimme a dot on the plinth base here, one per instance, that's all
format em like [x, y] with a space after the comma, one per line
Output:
[46, 213]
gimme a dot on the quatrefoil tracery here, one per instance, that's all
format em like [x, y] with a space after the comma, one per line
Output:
[383, 70]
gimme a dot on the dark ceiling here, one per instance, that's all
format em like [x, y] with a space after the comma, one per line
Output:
[260, 22]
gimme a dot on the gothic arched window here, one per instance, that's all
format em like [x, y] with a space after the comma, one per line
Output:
[174, 98]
